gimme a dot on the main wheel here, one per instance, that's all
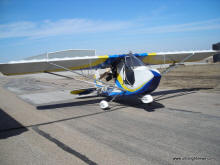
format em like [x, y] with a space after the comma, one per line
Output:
[104, 104]
[147, 99]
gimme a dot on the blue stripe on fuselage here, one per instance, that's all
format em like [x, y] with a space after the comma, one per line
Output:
[149, 87]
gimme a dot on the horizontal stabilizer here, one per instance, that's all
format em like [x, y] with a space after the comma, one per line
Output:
[83, 91]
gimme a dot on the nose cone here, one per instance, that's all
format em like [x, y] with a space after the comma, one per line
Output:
[156, 73]
[155, 80]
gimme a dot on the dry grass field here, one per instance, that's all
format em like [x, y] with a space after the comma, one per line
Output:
[193, 76]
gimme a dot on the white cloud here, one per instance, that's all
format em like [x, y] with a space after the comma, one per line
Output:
[194, 26]
[60, 27]
[80, 26]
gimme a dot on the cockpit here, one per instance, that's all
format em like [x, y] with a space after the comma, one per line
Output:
[130, 63]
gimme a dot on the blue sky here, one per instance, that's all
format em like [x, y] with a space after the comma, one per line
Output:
[31, 27]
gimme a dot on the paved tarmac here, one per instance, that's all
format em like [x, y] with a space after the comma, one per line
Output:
[41, 123]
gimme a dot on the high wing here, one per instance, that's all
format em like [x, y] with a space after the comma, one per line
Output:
[89, 62]
[47, 65]
[175, 57]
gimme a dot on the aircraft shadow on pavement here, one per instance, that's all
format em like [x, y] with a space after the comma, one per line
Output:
[69, 104]
[158, 95]
[9, 126]
[132, 101]
[123, 101]
[126, 101]
[167, 94]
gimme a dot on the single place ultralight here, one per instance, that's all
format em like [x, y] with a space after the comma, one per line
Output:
[132, 73]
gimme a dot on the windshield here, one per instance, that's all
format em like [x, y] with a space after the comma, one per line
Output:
[133, 61]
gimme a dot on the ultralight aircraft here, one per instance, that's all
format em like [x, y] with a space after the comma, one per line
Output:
[131, 73]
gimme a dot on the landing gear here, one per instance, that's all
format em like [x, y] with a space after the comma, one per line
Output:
[147, 99]
[104, 105]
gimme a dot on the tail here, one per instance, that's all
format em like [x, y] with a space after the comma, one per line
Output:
[83, 91]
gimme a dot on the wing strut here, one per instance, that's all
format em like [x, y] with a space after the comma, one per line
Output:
[59, 75]
[59, 66]
[176, 65]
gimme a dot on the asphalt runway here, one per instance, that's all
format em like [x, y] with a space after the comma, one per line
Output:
[41, 123]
